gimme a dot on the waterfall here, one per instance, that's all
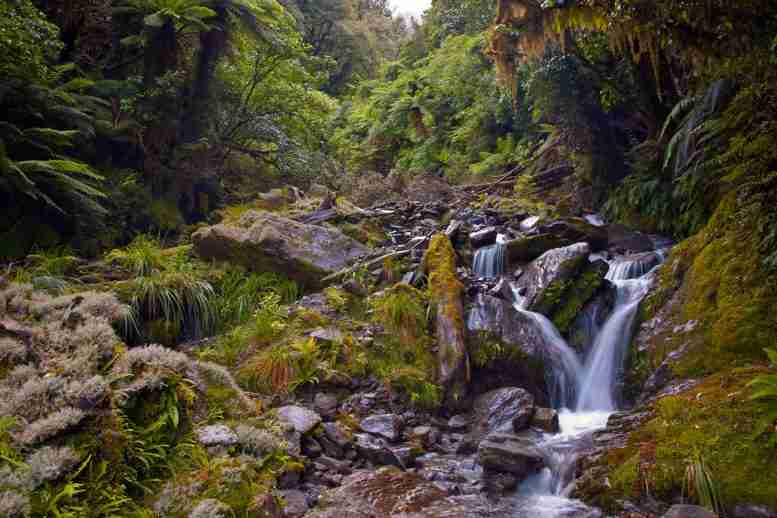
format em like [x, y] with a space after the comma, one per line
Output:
[605, 361]
[490, 260]
[584, 394]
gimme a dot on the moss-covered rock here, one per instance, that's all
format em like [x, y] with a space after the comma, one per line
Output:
[715, 420]
[446, 291]
[261, 241]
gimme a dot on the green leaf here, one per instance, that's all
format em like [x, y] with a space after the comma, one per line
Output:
[155, 21]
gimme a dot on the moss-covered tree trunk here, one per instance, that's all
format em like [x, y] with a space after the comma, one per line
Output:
[446, 290]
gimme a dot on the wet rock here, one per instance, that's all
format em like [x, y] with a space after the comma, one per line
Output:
[427, 436]
[300, 418]
[335, 433]
[295, 503]
[636, 265]
[262, 241]
[216, 435]
[392, 493]
[546, 419]
[594, 314]
[577, 230]
[458, 423]
[497, 483]
[511, 454]
[387, 426]
[752, 511]
[484, 237]
[311, 447]
[454, 473]
[330, 464]
[375, 449]
[688, 511]
[525, 249]
[325, 404]
[554, 266]
[624, 240]
[502, 410]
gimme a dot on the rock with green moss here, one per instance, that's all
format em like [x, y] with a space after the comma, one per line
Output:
[261, 241]
[446, 292]
[545, 280]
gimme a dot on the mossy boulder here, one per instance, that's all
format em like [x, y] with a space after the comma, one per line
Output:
[551, 273]
[564, 298]
[715, 419]
[261, 241]
[446, 293]
[557, 234]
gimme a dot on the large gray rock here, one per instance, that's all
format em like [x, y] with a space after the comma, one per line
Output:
[557, 265]
[387, 426]
[300, 418]
[325, 404]
[392, 493]
[498, 317]
[375, 449]
[510, 453]
[546, 419]
[689, 511]
[503, 410]
[295, 503]
[484, 237]
[262, 241]
[216, 435]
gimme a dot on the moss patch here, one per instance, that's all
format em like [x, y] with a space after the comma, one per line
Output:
[715, 419]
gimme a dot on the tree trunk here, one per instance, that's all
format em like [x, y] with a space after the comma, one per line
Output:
[212, 45]
[161, 55]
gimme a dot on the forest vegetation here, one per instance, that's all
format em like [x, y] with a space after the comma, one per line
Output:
[137, 137]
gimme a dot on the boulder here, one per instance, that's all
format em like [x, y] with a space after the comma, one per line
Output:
[577, 230]
[553, 267]
[390, 492]
[689, 511]
[752, 511]
[502, 410]
[335, 433]
[624, 240]
[387, 426]
[375, 450]
[262, 241]
[295, 503]
[300, 418]
[635, 265]
[484, 237]
[216, 435]
[525, 249]
[546, 419]
[510, 453]
[446, 293]
[325, 404]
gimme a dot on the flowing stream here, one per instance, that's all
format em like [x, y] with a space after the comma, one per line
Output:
[585, 393]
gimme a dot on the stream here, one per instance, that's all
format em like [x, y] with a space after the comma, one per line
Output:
[582, 390]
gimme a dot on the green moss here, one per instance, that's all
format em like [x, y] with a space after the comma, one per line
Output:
[715, 419]
[563, 299]
[366, 232]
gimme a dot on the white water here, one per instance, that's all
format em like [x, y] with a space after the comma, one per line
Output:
[584, 394]
[489, 261]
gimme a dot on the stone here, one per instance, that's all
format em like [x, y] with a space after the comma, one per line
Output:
[502, 410]
[216, 435]
[623, 240]
[300, 418]
[335, 433]
[484, 237]
[752, 511]
[688, 511]
[458, 423]
[262, 241]
[375, 450]
[325, 404]
[426, 435]
[510, 453]
[311, 447]
[295, 503]
[554, 266]
[546, 419]
[339, 466]
[391, 492]
[211, 508]
[327, 334]
[383, 425]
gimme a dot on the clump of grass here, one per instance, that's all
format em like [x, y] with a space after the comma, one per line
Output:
[402, 310]
[238, 294]
[167, 286]
[700, 484]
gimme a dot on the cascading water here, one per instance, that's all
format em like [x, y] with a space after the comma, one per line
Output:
[584, 394]
[490, 260]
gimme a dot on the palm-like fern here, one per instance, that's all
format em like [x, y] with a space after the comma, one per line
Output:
[765, 390]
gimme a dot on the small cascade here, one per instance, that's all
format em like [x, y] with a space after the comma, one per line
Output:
[605, 362]
[490, 260]
[585, 394]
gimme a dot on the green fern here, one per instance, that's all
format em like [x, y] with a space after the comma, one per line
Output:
[764, 389]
